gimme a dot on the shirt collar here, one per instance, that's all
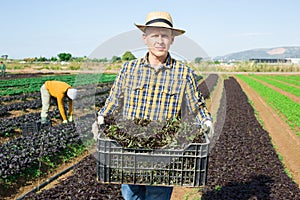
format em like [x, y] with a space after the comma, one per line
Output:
[168, 63]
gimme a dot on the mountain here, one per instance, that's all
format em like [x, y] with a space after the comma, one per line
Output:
[276, 53]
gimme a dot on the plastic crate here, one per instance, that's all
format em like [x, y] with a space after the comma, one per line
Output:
[34, 127]
[168, 167]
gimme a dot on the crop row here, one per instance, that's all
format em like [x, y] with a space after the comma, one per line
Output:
[207, 85]
[292, 79]
[10, 126]
[243, 164]
[34, 101]
[32, 104]
[19, 86]
[286, 108]
[26, 151]
[288, 88]
[19, 97]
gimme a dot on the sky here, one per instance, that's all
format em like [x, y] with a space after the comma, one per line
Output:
[45, 28]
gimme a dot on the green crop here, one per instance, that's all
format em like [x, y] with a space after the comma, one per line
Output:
[285, 107]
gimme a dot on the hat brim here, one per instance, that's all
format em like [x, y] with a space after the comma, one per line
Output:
[176, 32]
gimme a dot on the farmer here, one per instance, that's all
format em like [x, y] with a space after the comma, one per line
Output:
[59, 90]
[153, 87]
[3, 68]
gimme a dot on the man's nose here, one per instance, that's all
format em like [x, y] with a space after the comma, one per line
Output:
[159, 39]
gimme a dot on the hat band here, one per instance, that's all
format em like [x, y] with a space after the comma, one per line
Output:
[159, 20]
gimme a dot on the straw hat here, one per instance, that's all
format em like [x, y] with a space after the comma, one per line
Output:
[72, 93]
[159, 19]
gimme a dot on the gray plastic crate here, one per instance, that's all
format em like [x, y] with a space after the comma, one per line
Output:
[34, 127]
[168, 167]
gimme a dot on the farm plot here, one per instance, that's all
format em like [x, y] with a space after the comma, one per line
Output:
[284, 138]
[27, 156]
[23, 154]
[286, 107]
[205, 85]
[243, 164]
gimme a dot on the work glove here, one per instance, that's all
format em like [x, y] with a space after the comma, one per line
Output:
[70, 119]
[100, 120]
[96, 125]
[65, 121]
[43, 120]
[208, 127]
[95, 130]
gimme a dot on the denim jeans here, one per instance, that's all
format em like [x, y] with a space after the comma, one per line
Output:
[141, 192]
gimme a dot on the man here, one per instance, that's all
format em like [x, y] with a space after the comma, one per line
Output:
[3, 68]
[59, 90]
[155, 88]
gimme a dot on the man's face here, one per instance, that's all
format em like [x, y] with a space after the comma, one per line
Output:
[158, 41]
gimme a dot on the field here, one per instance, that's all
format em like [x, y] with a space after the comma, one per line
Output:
[254, 154]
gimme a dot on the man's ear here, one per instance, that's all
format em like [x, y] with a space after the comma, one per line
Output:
[172, 40]
[144, 38]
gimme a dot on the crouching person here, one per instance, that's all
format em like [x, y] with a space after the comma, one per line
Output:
[58, 90]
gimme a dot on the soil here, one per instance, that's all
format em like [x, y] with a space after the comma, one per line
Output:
[285, 140]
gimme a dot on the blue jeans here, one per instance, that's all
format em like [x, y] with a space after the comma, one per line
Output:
[141, 192]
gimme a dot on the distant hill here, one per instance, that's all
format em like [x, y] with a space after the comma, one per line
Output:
[278, 53]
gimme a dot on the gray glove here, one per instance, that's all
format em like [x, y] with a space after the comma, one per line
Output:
[96, 125]
[43, 120]
[70, 119]
[95, 130]
[100, 121]
[208, 126]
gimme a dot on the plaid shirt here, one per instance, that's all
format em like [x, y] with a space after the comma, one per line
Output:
[146, 93]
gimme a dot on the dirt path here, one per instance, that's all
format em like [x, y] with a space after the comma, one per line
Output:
[284, 139]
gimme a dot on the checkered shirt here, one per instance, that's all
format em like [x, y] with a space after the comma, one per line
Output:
[146, 93]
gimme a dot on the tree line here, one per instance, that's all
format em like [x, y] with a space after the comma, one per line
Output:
[67, 57]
